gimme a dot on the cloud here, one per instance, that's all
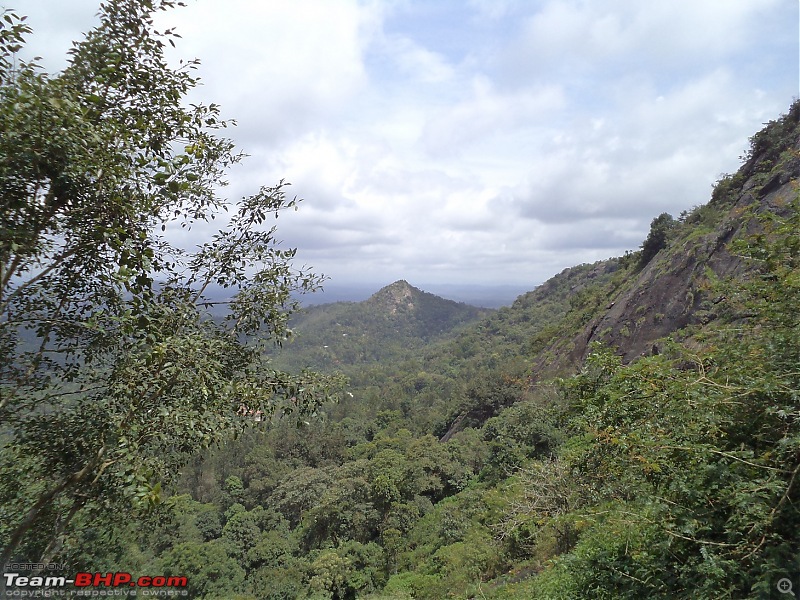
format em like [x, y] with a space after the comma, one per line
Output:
[494, 9]
[483, 141]
[416, 62]
[279, 67]
[624, 35]
[486, 113]
[654, 152]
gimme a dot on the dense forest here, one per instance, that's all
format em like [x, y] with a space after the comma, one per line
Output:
[628, 429]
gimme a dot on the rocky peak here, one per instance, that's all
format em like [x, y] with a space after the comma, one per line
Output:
[398, 296]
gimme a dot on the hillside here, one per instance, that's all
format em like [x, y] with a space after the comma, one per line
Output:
[625, 303]
[404, 343]
[674, 289]
[630, 306]
[393, 323]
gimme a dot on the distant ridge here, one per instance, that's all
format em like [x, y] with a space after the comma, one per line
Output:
[480, 295]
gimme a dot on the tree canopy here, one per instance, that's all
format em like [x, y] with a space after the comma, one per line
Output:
[113, 370]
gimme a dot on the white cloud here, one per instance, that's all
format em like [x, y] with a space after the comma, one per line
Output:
[416, 62]
[487, 141]
[493, 9]
[681, 33]
[278, 67]
[486, 114]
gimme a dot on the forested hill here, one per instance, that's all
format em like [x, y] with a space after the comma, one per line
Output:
[393, 323]
[628, 429]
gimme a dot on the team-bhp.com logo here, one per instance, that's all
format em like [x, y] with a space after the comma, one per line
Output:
[94, 584]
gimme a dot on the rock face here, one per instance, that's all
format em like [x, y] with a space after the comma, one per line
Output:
[631, 308]
[399, 296]
[673, 290]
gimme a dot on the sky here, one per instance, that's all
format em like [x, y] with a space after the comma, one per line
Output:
[475, 142]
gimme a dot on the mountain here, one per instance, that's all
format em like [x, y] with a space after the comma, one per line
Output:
[630, 303]
[628, 429]
[480, 295]
[674, 289]
[394, 322]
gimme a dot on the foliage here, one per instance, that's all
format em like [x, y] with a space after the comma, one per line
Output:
[209, 571]
[696, 454]
[726, 189]
[657, 238]
[767, 146]
[112, 370]
[670, 476]
[393, 324]
[529, 429]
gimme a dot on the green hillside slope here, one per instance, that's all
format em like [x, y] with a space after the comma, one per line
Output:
[393, 323]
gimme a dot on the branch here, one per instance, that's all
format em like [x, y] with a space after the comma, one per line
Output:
[55, 264]
[44, 500]
[57, 541]
[726, 455]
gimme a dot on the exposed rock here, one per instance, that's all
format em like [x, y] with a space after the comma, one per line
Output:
[400, 295]
[674, 289]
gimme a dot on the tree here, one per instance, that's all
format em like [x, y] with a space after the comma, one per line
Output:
[209, 571]
[113, 371]
[660, 228]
